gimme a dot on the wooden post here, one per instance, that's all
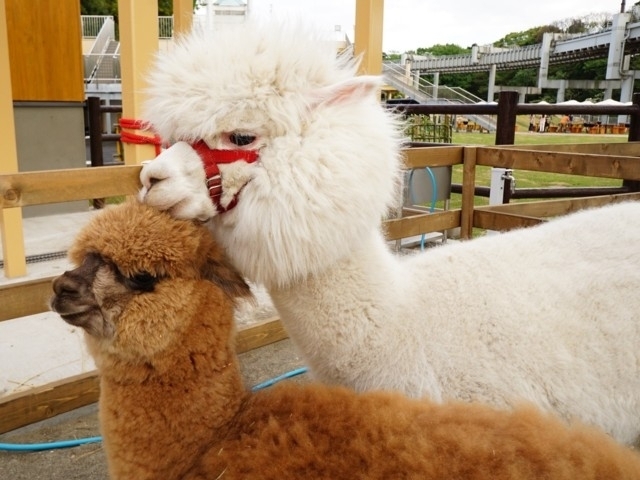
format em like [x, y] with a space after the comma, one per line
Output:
[506, 130]
[95, 131]
[368, 35]
[634, 136]
[138, 43]
[468, 191]
[10, 218]
[182, 17]
[95, 140]
[634, 125]
[506, 121]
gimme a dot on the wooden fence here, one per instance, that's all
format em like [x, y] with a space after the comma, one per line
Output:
[19, 300]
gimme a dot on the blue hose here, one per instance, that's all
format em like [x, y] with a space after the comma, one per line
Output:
[273, 381]
[36, 447]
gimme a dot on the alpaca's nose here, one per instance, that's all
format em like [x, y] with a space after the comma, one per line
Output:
[150, 174]
[65, 284]
[153, 181]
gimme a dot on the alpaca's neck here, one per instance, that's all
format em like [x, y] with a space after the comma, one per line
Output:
[347, 301]
[359, 271]
[360, 265]
[156, 423]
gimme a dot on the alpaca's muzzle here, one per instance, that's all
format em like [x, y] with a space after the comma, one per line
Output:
[210, 160]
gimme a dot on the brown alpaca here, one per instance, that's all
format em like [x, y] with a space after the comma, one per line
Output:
[155, 297]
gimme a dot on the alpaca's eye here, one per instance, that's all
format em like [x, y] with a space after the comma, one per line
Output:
[142, 281]
[241, 139]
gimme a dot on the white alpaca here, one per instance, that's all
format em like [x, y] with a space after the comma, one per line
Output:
[548, 314]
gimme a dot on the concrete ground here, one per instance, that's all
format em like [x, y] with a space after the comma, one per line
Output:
[88, 461]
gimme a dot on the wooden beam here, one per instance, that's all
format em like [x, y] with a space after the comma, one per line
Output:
[502, 221]
[51, 186]
[25, 298]
[432, 156]
[260, 334]
[182, 17]
[607, 166]
[138, 26]
[368, 35]
[11, 231]
[40, 403]
[630, 149]
[553, 208]
[397, 228]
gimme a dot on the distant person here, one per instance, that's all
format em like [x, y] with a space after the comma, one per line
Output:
[564, 123]
[532, 123]
[543, 124]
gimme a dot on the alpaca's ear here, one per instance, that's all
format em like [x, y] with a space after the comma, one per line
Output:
[220, 272]
[352, 90]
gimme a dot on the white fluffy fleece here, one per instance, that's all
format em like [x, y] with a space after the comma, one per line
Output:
[548, 314]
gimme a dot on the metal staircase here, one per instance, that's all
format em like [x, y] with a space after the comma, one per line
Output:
[99, 62]
[424, 91]
[109, 66]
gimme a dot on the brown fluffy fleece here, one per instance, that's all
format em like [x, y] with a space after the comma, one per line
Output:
[155, 296]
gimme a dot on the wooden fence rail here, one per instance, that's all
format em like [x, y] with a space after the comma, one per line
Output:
[31, 188]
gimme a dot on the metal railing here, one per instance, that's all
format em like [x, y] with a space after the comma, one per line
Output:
[102, 63]
[421, 128]
[165, 27]
[98, 53]
[92, 24]
[426, 92]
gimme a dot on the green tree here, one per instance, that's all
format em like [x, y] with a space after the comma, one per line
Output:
[99, 7]
[443, 49]
[110, 7]
[517, 39]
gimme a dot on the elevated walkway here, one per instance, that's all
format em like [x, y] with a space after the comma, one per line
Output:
[563, 48]
[615, 44]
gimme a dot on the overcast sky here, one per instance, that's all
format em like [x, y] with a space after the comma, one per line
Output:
[410, 24]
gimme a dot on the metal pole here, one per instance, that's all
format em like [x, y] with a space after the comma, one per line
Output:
[95, 131]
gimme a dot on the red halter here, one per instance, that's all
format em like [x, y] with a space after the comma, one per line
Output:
[210, 159]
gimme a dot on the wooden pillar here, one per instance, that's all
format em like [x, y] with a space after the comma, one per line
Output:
[634, 136]
[182, 17]
[10, 218]
[634, 125]
[506, 121]
[468, 191]
[506, 131]
[368, 35]
[138, 21]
